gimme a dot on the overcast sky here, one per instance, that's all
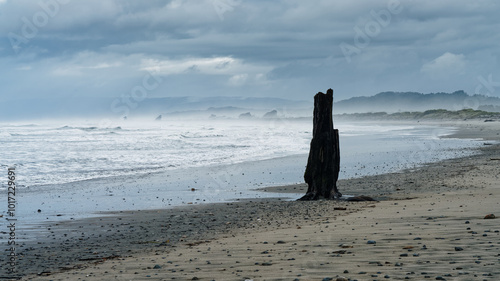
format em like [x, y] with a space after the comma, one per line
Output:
[280, 48]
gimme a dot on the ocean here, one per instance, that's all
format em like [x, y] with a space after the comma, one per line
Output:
[75, 169]
[62, 153]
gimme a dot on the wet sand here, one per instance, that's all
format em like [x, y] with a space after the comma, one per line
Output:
[429, 225]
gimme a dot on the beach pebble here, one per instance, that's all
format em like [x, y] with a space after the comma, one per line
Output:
[157, 267]
[458, 249]
[440, 278]
[371, 242]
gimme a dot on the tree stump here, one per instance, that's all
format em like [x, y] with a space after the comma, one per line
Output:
[323, 164]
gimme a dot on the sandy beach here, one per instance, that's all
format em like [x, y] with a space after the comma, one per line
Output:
[429, 224]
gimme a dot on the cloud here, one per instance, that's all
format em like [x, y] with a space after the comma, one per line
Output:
[445, 66]
[208, 66]
[281, 48]
[85, 64]
[24, 68]
[238, 80]
[217, 65]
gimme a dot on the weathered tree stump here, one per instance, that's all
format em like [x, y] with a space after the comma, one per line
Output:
[323, 164]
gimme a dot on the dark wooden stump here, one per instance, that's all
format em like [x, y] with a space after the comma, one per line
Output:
[323, 164]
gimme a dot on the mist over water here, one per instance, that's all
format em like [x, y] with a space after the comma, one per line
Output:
[59, 153]
[55, 153]
[80, 169]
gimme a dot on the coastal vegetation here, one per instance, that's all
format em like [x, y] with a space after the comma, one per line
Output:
[392, 102]
[433, 114]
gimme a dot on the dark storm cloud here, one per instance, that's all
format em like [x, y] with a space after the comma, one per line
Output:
[235, 47]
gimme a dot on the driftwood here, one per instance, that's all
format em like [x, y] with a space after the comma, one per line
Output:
[323, 164]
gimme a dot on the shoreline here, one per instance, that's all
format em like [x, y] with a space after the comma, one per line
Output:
[123, 237]
[223, 183]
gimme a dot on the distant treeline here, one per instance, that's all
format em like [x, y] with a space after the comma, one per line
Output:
[434, 114]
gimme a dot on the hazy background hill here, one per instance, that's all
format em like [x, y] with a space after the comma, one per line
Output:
[391, 102]
[176, 107]
[236, 107]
